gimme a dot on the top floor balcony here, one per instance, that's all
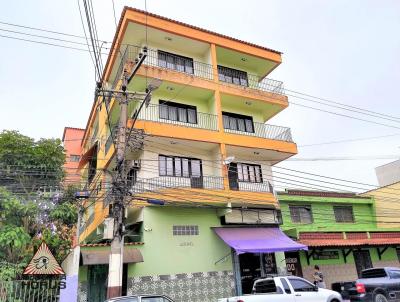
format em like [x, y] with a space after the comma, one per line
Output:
[169, 61]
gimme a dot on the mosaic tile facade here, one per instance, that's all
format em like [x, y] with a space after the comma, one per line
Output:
[82, 291]
[187, 287]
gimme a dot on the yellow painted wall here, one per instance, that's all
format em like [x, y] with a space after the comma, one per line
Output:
[387, 205]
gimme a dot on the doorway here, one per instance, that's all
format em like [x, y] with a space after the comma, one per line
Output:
[293, 265]
[362, 259]
[97, 283]
[233, 176]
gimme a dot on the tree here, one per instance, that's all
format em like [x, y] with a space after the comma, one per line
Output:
[27, 166]
[28, 215]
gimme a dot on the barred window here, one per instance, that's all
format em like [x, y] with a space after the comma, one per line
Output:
[179, 166]
[301, 214]
[238, 122]
[175, 62]
[74, 157]
[178, 112]
[249, 172]
[343, 213]
[185, 230]
[230, 75]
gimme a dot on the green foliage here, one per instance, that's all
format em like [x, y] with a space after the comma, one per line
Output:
[27, 165]
[27, 218]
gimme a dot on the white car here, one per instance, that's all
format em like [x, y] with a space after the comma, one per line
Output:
[286, 289]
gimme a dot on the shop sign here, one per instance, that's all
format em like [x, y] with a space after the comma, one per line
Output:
[325, 255]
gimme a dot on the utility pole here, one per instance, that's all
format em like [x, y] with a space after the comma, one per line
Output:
[120, 180]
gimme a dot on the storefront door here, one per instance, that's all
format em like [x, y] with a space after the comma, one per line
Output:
[293, 265]
[97, 283]
[254, 266]
[362, 260]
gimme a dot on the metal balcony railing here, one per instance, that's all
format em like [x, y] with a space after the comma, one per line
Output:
[166, 182]
[264, 186]
[267, 131]
[198, 69]
[202, 120]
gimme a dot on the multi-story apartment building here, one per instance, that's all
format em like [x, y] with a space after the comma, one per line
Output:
[200, 168]
[342, 232]
[72, 141]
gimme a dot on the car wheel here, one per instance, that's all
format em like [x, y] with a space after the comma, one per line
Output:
[380, 298]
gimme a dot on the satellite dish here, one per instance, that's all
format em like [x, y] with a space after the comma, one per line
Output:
[228, 160]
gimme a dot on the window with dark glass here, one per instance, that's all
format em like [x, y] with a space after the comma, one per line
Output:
[175, 62]
[238, 122]
[343, 213]
[178, 112]
[301, 214]
[300, 285]
[249, 172]
[234, 76]
[74, 157]
[179, 166]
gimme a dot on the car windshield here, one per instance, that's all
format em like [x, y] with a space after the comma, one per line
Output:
[373, 273]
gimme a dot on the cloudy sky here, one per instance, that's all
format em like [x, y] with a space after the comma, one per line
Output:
[343, 51]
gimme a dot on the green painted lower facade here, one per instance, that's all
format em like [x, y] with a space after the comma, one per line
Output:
[165, 253]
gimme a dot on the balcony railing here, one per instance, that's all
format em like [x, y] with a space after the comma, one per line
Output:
[264, 186]
[203, 120]
[166, 182]
[267, 131]
[199, 69]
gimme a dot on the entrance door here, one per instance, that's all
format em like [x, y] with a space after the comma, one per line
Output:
[293, 265]
[250, 270]
[233, 177]
[362, 260]
[97, 283]
[196, 178]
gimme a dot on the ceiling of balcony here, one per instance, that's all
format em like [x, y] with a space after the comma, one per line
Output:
[136, 35]
[254, 108]
[265, 156]
[241, 61]
[172, 91]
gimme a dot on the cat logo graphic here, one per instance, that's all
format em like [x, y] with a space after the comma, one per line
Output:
[43, 263]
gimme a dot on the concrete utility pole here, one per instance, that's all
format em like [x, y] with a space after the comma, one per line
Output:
[120, 183]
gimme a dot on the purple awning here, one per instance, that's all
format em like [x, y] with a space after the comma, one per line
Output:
[258, 240]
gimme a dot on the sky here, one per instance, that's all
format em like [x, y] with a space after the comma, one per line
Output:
[344, 51]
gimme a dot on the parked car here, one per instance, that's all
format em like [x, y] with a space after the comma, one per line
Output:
[286, 289]
[377, 285]
[141, 298]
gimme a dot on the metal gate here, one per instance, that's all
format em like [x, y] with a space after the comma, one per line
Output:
[30, 291]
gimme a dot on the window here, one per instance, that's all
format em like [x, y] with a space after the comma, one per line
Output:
[301, 214]
[373, 273]
[74, 158]
[286, 286]
[179, 166]
[238, 122]
[300, 285]
[249, 172]
[394, 274]
[175, 62]
[265, 286]
[188, 230]
[178, 112]
[343, 213]
[230, 75]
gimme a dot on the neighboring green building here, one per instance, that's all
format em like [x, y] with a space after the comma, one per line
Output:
[340, 230]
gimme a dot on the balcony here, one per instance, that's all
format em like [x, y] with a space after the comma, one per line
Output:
[194, 68]
[168, 182]
[266, 131]
[158, 113]
[264, 186]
